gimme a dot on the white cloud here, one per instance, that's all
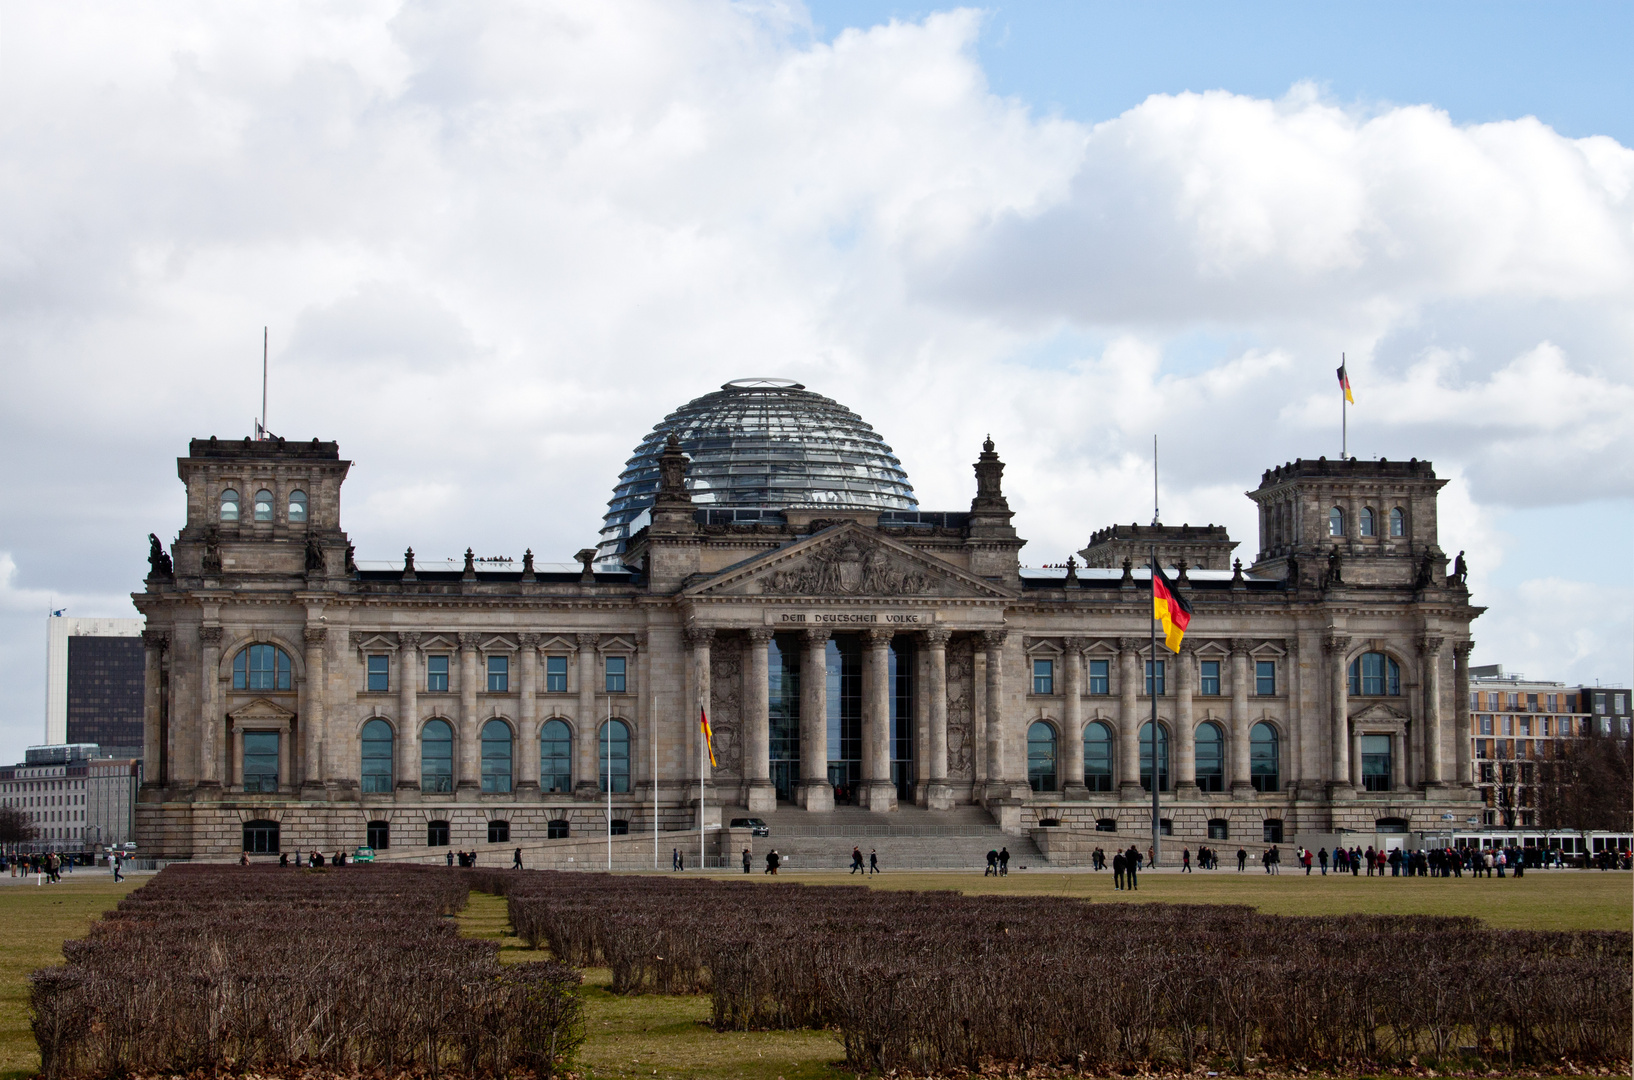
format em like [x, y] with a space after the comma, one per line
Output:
[497, 244]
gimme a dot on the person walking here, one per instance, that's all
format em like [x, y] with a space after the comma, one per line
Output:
[118, 867]
[873, 861]
[992, 864]
[1185, 860]
[745, 860]
[1118, 865]
[1305, 860]
[675, 859]
[773, 861]
[1098, 860]
[1004, 862]
[856, 860]
[1151, 857]
[516, 859]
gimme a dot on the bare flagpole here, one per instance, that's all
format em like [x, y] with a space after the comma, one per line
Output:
[652, 720]
[609, 754]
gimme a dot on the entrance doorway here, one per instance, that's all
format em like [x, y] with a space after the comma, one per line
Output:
[783, 719]
[843, 669]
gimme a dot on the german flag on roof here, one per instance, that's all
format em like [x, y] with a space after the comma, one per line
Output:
[1170, 609]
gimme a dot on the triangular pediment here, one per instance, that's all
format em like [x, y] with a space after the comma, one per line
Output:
[1378, 711]
[846, 560]
[259, 711]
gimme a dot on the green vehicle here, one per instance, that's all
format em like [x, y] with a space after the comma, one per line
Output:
[363, 854]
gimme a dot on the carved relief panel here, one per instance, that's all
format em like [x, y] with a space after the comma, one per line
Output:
[961, 668]
[726, 704]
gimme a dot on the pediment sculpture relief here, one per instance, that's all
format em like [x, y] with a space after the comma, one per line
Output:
[847, 568]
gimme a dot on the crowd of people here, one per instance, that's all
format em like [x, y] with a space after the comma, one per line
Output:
[49, 864]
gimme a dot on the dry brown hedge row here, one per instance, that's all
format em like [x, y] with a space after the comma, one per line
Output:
[260, 968]
[937, 982]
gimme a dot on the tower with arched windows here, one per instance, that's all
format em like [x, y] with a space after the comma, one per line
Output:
[764, 561]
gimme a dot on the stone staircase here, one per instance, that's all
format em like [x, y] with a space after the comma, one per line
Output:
[910, 838]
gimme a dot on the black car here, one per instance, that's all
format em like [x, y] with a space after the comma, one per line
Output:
[756, 826]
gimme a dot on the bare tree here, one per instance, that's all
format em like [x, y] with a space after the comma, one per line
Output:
[1588, 785]
[15, 827]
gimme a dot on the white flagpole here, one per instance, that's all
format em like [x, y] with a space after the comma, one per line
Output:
[609, 755]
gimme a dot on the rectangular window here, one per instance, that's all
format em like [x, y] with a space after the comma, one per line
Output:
[437, 674]
[1509, 725]
[1552, 699]
[1043, 676]
[1486, 725]
[1474, 701]
[555, 674]
[379, 673]
[499, 674]
[1526, 725]
[1619, 704]
[1159, 677]
[1375, 762]
[1099, 677]
[261, 761]
[1532, 702]
[1209, 682]
[1265, 678]
[615, 674]
[1514, 701]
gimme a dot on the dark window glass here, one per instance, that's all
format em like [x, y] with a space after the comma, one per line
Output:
[1099, 680]
[379, 673]
[1160, 674]
[377, 753]
[615, 674]
[1043, 676]
[843, 670]
[1165, 827]
[378, 835]
[1219, 829]
[261, 837]
[1209, 682]
[1146, 757]
[496, 757]
[615, 756]
[437, 757]
[1106, 824]
[1263, 760]
[1041, 756]
[555, 757]
[556, 830]
[261, 667]
[436, 834]
[1265, 678]
[499, 832]
[619, 827]
[1376, 762]
[1336, 522]
[1398, 522]
[1375, 674]
[901, 665]
[499, 674]
[1098, 757]
[1271, 832]
[1210, 749]
[555, 674]
[261, 761]
[437, 674]
[783, 700]
[1366, 521]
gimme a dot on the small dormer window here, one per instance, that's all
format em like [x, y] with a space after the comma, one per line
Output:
[1367, 521]
[1336, 522]
[263, 505]
[1398, 522]
[229, 505]
[297, 506]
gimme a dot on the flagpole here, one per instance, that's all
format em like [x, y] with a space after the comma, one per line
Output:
[609, 755]
[652, 721]
[1157, 839]
[1344, 419]
[703, 750]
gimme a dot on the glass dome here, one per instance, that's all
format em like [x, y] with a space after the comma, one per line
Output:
[762, 444]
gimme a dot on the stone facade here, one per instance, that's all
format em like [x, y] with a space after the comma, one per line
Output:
[855, 655]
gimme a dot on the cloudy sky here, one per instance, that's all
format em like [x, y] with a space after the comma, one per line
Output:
[495, 243]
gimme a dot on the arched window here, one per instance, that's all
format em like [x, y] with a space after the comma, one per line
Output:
[1367, 521]
[261, 667]
[1146, 757]
[555, 757]
[261, 837]
[263, 505]
[496, 757]
[1210, 747]
[377, 834]
[499, 832]
[1398, 522]
[1098, 757]
[1375, 675]
[437, 757]
[1336, 522]
[377, 758]
[229, 505]
[614, 747]
[297, 506]
[1041, 756]
[1263, 758]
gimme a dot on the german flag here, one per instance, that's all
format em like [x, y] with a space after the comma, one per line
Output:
[709, 736]
[1170, 609]
[1344, 382]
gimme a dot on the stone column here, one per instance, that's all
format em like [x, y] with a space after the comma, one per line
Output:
[939, 795]
[1242, 783]
[1341, 785]
[1462, 732]
[212, 722]
[469, 769]
[997, 768]
[757, 736]
[312, 729]
[1129, 719]
[587, 757]
[699, 643]
[1356, 760]
[155, 771]
[815, 793]
[527, 743]
[879, 794]
[408, 711]
[1185, 734]
[1398, 760]
[1429, 650]
[1072, 720]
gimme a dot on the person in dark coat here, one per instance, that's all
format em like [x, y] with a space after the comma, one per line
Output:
[1004, 862]
[1131, 869]
[773, 861]
[1242, 859]
[873, 861]
[745, 860]
[856, 860]
[1118, 864]
[516, 859]
[992, 864]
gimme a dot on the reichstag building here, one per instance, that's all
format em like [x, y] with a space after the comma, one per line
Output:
[763, 558]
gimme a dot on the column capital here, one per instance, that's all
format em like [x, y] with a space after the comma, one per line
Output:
[879, 637]
[156, 639]
[698, 636]
[937, 637]
[994, 639]
[468, 641]
[1130, 644]
[587, 641]
[1335, 643]
[316, 635]
[211, 635]
[760, 635]
[527, 640]
[1462, 649]
[1240, 646]
[1075, 645]
[816, 638]
[1430, 644]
